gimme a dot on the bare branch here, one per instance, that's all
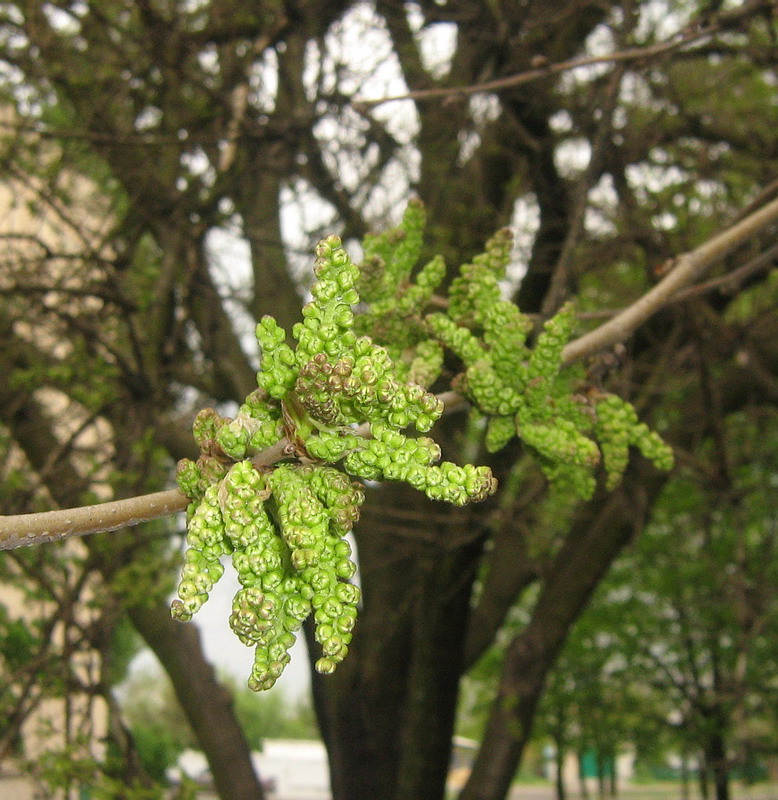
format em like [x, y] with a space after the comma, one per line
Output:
[688, 35]
[50, 526]
[688, 267]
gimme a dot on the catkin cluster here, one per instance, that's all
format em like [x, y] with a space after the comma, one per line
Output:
[290, 557]
[527, 392]
[335, 396]
[335, 380]
[274, 486]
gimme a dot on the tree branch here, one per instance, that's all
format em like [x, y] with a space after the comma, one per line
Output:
[22, 530]
[51, 526]
[48, 526]
[688, 267]
[687, 36]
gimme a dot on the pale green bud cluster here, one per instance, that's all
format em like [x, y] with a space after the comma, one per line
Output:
[339, 375]
[393, 456]
[389, 257]
[202, 567]
[315, 509]
[340, 380]
[426, 364]
[617, 427]
[522, 390]
[284, 523]
[223, 440]
[397, 299]
[291, 561]
[476, 288]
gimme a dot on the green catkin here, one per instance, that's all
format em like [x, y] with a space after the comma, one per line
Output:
[202, 568]
[617, 427]
[284, 523]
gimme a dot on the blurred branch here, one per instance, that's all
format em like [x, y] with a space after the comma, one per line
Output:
[691, 33]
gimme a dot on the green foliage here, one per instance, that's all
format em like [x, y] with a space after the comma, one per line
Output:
[73, 768]
[158, 747]
[344, 394]
[678, 645]
[155, 719]
[755, 301]
[88, 381]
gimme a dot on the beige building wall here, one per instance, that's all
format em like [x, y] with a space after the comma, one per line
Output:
[39, 242]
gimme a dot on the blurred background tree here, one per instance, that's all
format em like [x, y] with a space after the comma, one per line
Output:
[166, 169]
[161, 731]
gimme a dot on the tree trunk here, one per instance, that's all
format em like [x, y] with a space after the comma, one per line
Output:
[582, 777]
[684, 776]
[716, 759]
[387, 714]
[559, 758]
[598, 535]
[601, 790]
[703, 778]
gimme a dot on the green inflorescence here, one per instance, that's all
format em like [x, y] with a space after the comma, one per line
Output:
[617, 427]
[396, 300]
[274, 486]
[284, 522]
[525, 391]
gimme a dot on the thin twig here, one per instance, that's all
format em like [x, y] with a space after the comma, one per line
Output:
[51, 526]
[689, 35]
[688, 267]
[23, 530]
[731, 282]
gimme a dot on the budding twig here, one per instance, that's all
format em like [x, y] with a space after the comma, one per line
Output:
[49, 526]
[24, 530]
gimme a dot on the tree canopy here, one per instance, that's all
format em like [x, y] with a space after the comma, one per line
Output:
[167, 169]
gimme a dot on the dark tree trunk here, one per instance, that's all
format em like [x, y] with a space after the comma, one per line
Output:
[387, 714]
[559, 759]
[703, 778]
[716, 759]
[582, 777]
[588, 551]
[603, 774]
[685, 776]
[613, 777]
